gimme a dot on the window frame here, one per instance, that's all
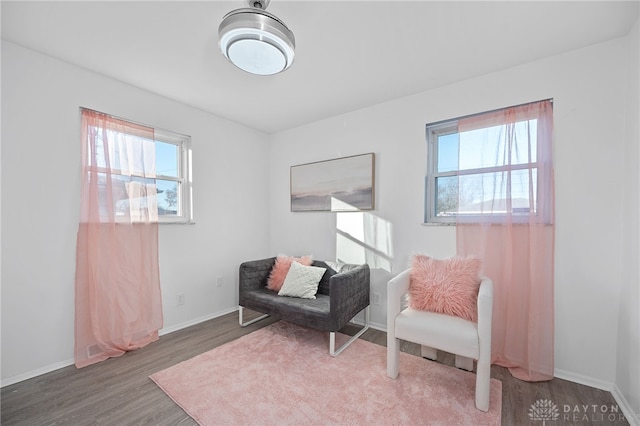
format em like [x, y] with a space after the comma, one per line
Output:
[433, 132]
[184, 178]
[446, 127]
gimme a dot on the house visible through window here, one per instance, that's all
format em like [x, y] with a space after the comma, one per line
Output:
[170, 186]
[485, 169]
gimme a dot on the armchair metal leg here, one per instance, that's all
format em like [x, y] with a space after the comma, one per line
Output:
[332, 336]
[244, 324]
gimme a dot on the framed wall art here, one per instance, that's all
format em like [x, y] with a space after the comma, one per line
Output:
[341, 184]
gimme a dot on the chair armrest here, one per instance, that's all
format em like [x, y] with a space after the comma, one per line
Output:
[254, 274]
[397, 287]
[485, 315]
[349, 293]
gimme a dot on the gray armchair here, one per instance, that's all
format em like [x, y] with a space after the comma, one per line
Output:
[342, 294]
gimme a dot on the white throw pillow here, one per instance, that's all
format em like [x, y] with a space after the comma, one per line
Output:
[302, 281]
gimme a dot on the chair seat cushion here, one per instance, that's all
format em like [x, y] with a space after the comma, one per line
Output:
[438, 331]
[312, 313]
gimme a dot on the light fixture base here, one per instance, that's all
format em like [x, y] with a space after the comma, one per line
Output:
[258, 4]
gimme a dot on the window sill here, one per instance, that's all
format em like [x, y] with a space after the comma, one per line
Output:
[177, 222]
[480, 223]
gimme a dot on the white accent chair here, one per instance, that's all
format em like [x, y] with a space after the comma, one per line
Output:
[466, 339]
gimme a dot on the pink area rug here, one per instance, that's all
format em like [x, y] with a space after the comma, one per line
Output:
[283, 374]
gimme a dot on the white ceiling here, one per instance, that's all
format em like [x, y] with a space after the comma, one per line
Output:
[349, 54]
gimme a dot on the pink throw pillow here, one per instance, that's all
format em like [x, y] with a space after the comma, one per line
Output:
[446, 286]
[281, 268]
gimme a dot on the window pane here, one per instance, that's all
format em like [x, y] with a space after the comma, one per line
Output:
[497, 193]
[167, 159]
[486, 193]
[448, 152]
[487, 147]
[168, 196]
[126, 152]
[128, 195]
[446, 202]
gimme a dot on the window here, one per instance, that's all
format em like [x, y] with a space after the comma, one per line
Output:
[486, 165]
[126, 165]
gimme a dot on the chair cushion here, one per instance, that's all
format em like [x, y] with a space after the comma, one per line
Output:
[325, 283]
[312, 313]
[446, 286]
[439, 331]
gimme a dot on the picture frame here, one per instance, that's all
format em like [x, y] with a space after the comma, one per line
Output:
[340, 184]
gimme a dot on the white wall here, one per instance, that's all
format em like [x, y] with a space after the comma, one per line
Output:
[41, 201]
[589, 88]
[628, 362]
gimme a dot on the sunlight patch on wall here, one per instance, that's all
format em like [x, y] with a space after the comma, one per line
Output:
[363, 237]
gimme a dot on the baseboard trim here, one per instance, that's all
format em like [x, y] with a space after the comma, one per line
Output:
[204, 318]
[632, 418]
[35, 373]
[583, 380]
[62, 364]
[373, 325]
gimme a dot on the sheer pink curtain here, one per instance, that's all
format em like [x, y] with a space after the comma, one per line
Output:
[506, 218]
[118, 305]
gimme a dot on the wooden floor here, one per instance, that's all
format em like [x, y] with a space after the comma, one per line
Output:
[119, 392]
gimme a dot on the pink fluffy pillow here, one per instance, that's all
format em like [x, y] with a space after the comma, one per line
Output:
[281, 268]
[446, 286]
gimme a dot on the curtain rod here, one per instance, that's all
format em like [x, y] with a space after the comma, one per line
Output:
[435, 123]
[115, 117]
[155, 129]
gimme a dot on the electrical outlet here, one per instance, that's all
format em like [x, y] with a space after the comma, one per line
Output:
[180, 299]
[219, 281]
[376, 299]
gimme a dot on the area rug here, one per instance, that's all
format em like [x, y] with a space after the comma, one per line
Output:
[283, 375]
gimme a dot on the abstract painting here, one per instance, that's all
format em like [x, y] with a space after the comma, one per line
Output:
[341, 184]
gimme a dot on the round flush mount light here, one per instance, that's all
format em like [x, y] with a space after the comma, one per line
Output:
[256, 41]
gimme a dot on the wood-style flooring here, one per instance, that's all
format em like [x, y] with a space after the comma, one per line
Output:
[118, 391]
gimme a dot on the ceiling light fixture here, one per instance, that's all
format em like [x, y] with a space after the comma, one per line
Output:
[256, 41]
